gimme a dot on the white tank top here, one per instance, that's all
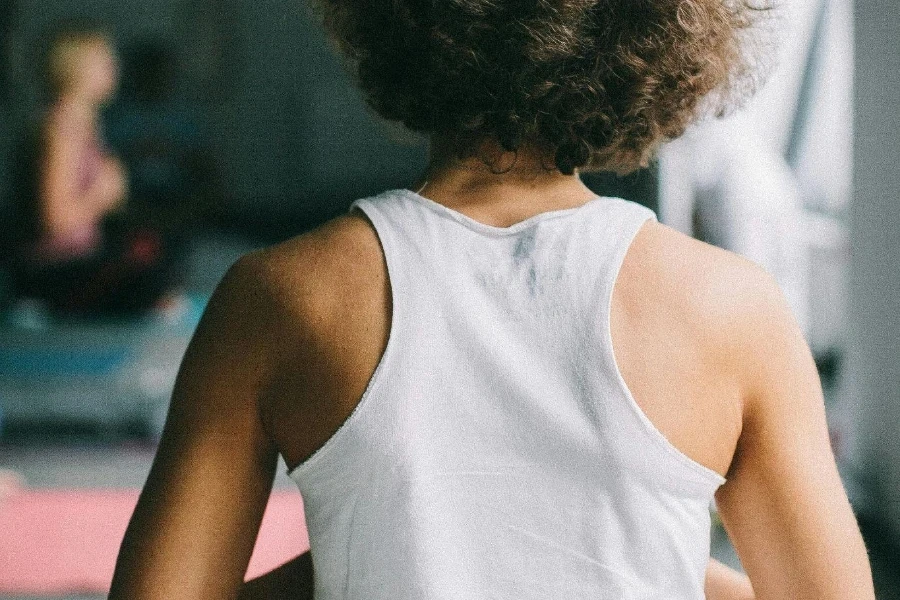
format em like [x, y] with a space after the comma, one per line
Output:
[496, 452]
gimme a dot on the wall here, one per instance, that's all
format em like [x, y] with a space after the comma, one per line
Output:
[875, 287]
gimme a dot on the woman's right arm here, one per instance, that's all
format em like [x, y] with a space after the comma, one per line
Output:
[784, 505]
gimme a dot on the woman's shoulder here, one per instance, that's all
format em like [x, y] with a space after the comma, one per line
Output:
[314, 277]
[721, 295]
[711, 288]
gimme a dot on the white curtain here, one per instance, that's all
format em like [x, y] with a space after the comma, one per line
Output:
[772, 182]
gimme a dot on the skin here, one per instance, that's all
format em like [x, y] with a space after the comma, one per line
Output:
[294, 332]
[66, 209]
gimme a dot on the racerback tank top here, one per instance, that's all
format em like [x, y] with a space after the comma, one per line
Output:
[497, 452]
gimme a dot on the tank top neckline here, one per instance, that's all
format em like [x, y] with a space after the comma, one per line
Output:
[494, 230]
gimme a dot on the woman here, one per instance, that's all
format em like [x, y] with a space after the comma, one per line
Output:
[437, 368]
[79, 182]
[76, 251]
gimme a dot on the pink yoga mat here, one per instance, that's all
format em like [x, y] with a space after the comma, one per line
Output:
[66, 541]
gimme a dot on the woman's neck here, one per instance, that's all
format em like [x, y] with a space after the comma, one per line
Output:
[491, 180]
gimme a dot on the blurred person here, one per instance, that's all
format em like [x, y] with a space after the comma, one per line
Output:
[80, 181]
[495, 383]
[77, 248]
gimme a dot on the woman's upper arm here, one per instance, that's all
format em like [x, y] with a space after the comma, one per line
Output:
[784, 505]
[195, 525]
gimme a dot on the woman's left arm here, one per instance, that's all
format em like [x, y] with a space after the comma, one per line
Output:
[196, 522]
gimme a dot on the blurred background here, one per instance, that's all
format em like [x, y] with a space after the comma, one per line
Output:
[144, 146]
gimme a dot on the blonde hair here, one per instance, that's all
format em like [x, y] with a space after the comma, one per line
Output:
[65, 48]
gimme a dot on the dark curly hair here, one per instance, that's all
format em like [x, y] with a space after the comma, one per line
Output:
[597, 84]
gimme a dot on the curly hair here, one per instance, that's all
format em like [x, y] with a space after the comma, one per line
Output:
[598, 84]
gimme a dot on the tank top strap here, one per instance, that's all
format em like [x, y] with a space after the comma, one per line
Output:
[421, 239]
[603, 241]
[609, 237]
[398, 230]
[497, 426]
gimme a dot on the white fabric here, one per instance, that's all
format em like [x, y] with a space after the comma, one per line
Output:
[497, 452]
[732, 177]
